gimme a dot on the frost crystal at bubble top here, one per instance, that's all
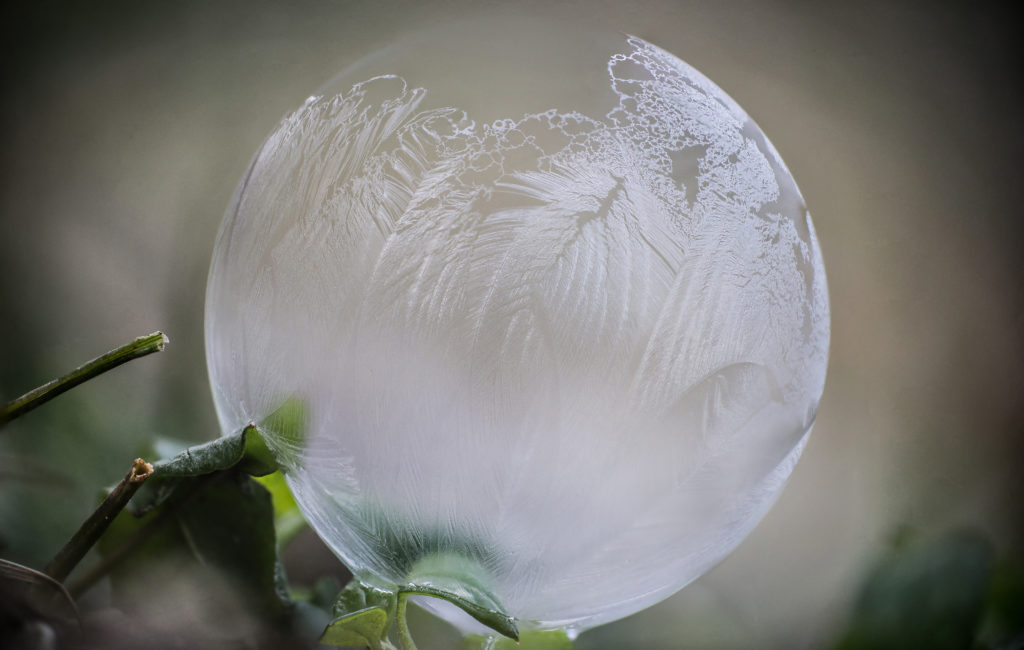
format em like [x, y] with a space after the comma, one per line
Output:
[551, 302]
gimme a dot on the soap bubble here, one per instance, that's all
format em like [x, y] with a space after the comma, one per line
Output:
[551, 303]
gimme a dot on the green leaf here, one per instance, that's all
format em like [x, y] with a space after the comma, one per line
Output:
[214, 536]
[358, 595]
[364, 614]
[289, 421]
[287, 426]
[247, 451]
[463, 583]
[363, 629]
[246, 448]
[230, 527]
[448, 576]
[531, 640]
[288, 519]
[256, 460]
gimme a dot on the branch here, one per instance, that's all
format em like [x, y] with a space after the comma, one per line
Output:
[90, 576]
[93, 527]
[140, 347]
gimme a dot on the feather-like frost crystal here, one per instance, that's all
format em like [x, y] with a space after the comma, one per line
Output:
[552, 304]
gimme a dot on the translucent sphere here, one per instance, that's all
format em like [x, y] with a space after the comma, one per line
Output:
[552, 304]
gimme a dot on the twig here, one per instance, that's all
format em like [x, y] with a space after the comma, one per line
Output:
[140, 347]
[92, 528]
[92, 575]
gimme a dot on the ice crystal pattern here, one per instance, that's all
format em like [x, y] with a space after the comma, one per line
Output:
[582, 351]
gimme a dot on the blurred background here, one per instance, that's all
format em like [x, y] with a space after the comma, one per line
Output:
[126, 127]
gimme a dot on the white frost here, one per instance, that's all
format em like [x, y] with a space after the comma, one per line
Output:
[585, 350]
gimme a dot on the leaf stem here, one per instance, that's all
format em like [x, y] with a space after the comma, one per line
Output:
[92, 528]
[404, 637]
[140, 347]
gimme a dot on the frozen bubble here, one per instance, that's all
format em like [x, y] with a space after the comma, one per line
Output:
[552, 302]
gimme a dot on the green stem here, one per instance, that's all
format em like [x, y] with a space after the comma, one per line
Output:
[404, 637]
[140, 347]
[92, 529]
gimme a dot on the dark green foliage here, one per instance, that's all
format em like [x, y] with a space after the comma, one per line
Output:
[287, 424]
[461, 582]
[246, 449]
[193, 562]
[365, 612]
[220, 530]
[1003, 625]
[923, 594]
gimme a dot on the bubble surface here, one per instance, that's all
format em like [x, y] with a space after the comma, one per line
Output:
[553, 305]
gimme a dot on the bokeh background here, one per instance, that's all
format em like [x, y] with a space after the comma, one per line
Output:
[126, 127]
